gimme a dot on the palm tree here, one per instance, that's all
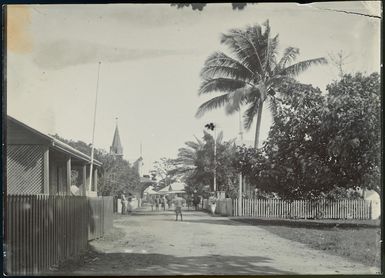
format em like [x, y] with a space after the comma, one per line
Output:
[251, 74]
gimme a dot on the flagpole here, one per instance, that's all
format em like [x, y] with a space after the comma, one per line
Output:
[93, 129]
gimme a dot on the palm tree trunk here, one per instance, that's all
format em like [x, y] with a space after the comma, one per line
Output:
[257, 130]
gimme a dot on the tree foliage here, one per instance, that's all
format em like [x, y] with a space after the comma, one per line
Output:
[321, 144]
[352, 120]
[295, 151]
[116, 176]
[195, 164]
[250, 73]
[163, 172]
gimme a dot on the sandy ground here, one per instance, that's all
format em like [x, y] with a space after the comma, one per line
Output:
[148, 243]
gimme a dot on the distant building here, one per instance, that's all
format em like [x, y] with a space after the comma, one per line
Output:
[116, 148]
[138, 164]
[374, 198]
[41, 164]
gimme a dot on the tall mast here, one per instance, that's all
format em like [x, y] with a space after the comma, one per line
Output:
[93, 129]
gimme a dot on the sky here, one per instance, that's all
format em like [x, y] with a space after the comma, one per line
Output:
[151, 56]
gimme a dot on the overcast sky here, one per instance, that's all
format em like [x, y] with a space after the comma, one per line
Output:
[151, 58]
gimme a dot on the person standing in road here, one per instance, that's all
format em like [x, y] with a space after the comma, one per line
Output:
[164, 201]
[178, 202]
[124, 203]
[152, 203]
[129, 205]
[213, 203]
[157, 203]
[169, 200]
[196, 201]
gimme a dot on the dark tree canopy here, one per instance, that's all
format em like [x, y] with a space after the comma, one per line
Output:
[117, 175]
[321, 145]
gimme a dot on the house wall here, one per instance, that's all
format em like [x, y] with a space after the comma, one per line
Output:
[58, 174]
[25, 169]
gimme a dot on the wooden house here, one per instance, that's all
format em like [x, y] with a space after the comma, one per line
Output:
[41, 164]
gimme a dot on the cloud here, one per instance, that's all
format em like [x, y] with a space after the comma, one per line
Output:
[63, 53]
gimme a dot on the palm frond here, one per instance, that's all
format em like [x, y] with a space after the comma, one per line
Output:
[211, 104]
[220, 137]
[277, 80]
[266, 24]
[250, 113]
[300, 67]
[245, 47]
[220, 85]
[272, 52]
[193, 145]
[221, 65]
[289, 56]
[236, 99]
[200, 142]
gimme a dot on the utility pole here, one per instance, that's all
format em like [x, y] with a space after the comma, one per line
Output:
[93, 129]
[212, 127]
[240, 173]
[215, 159]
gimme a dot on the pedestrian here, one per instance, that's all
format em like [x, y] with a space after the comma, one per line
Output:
[162, 204]
[124, 203]
[169, 201]
[164, 201]
[152, 203]
[129, 205]
[213, 203]
[196, 201]
[178, 202]
[189, 202]
[157, 203]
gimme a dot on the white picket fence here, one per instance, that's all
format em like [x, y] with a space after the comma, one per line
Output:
[301, 209]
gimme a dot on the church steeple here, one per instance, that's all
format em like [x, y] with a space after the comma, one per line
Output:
[116, 148]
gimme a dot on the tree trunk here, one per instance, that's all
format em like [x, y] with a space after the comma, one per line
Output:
[257, 130]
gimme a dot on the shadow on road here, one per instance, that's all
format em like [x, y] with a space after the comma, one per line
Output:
[161, 264]
[309, 224]
[215, 221]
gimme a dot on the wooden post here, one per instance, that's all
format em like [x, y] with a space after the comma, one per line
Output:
[95, 179]
[68, 175]
[84, 180]
[240, 196]
[46, 171]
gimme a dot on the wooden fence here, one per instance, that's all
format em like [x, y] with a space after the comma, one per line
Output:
[301, 209]
[101, 216]
[42, 231]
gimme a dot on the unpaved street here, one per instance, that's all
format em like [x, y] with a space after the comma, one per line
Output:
[155, 244]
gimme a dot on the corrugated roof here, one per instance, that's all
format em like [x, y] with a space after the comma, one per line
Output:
[57, 144]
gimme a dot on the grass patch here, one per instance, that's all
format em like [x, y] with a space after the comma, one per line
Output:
[361, 244]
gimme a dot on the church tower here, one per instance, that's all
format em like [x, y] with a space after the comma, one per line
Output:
[116, 148]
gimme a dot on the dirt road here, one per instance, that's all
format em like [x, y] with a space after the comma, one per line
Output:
[155, 244]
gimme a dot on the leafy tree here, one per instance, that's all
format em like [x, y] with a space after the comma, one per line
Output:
[296, 153]
[163, 171]
[251, 74]
[321, 145]
[117, 175]
[352, 121]
[195, 162]
[251, 163]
